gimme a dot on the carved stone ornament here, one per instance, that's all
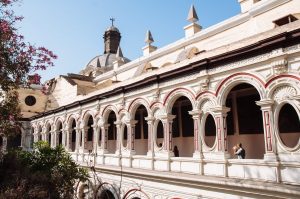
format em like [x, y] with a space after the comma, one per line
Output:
[284, 92]
[280, 66]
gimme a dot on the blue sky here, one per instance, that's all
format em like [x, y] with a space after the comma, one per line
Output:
[74, 29]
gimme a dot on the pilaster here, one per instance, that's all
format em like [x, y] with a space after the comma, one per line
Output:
[268, 123]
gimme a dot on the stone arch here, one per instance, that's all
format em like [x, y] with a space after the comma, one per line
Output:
[136, 103]
[139, 110]
[71, 142]
[39, 131]
[244, 118]
[48, 127]
[106, 111]
[173, 95]
[155, 106]
[287, 87]
[59, 126]
[86, 115]
[225, 86]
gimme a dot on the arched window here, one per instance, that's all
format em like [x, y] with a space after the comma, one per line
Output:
[159, 134]
[244, 121]
[125, 135]
[210, 131]
[141, 131]
[183, 127]
[289, 126]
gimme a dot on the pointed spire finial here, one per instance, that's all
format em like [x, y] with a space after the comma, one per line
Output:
[192, 16]
[119, 52]
[149, 38]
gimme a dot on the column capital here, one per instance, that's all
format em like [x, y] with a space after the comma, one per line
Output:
[265, 103]
[195, 113]
[131, 122]
[168, 117]
[220, 109]
[150, 118]
[105, 126]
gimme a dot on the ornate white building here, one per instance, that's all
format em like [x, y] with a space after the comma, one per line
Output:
[235, 82]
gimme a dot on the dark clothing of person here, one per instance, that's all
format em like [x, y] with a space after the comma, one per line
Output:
[176, 152]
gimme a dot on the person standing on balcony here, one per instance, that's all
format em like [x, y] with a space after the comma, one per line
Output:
[239, 151]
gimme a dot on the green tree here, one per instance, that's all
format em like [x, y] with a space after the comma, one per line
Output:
[43, 173]
[18, 59]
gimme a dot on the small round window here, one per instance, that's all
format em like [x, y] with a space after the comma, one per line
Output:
[30, 100]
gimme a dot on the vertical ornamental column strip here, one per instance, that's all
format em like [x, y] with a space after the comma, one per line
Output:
[167, 124]
[131, 132]
[268, 123]
[196, 114]
[104, 136]
[220, 114]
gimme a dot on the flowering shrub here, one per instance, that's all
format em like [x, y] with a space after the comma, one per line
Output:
[18, 59]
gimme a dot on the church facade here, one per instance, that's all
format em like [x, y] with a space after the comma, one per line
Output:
[235, 82]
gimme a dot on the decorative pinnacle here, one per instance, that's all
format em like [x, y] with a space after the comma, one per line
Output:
[149, 38]
[119, 52]
[112, 21]
[192, 16]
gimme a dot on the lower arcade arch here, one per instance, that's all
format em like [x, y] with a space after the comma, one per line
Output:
[106, 194]
[288, 125]
[159, 133]
[124, 131]
[59, 133]
[183, 127]
[90, 133]
[48, 134]
[244, 121]
[72, 134]
[112, 132]
[141, 130]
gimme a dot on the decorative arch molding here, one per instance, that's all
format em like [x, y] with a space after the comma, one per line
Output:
[70, 119]
[106, 111]
[133, 106]
[283, 83]
[57, 120]
[172, 96]
[136, 192]
[272, 79]
[156, 105]
[49, 123]
[230, 82]
[85, 116]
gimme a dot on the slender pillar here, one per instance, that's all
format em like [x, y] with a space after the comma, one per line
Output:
[131, 136]
[167, 124]
[104, 138]
[119, 139]
[150, 121]
[196, 115]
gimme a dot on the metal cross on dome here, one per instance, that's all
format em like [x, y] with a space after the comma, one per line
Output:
[112, 21]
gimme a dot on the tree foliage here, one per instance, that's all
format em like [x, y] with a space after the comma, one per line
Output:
[18, 59]
[43, 173]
